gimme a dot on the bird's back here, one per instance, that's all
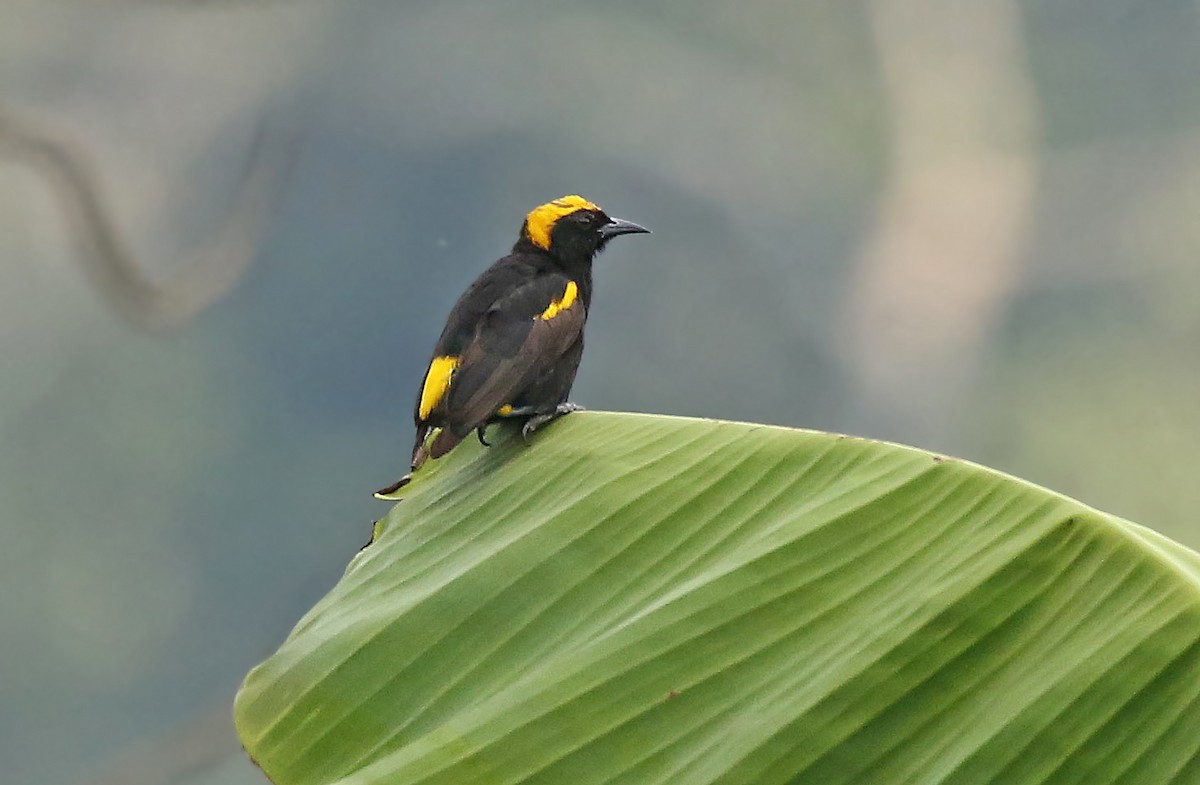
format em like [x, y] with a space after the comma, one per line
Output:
[495, 283]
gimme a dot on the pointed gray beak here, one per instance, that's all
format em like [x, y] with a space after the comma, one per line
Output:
[618, 227]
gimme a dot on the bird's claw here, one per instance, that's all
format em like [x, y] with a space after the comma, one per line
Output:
[480, 433]
[533, 423]
[538, 420]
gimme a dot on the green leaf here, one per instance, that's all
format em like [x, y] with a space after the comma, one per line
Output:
[642, 599]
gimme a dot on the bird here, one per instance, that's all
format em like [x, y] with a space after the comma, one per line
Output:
[512, 343]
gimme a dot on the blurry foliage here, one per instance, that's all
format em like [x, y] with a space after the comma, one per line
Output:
[172, 503]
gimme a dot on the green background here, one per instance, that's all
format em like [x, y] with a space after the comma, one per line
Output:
[173, 501]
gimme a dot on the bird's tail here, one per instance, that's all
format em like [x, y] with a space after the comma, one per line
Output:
[419, 456]
[444, 442]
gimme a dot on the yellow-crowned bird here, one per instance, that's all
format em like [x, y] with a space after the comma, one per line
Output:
[512, 343]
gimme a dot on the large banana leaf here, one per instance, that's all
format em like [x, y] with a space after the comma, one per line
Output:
[638, 599]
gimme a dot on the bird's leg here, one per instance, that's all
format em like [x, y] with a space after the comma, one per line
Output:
[544, 416]
[520, 411]
[480, 433]
[533, 411]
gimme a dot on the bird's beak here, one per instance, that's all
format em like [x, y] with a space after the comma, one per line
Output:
[618, 226]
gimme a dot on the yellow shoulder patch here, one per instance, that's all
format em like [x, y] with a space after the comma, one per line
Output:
[437, 381]
[562, 303]
[541, 220]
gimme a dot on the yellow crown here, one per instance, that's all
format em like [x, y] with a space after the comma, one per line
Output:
[541, 220]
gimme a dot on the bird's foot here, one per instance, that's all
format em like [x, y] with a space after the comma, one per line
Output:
[541, 418]
[520, 411]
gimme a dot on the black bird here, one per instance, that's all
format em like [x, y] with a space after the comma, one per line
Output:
[512, 343]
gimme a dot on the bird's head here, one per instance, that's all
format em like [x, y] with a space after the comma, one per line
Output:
[572, 228]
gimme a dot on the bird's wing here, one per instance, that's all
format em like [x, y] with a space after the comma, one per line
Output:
[520, 337]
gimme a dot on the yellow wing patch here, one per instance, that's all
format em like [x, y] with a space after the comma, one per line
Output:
[541, 220]
[562, 303]
[437, 381]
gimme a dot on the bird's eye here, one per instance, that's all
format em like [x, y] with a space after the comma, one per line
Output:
[583, 219]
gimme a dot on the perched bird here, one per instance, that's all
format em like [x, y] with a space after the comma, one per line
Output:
[512, 343]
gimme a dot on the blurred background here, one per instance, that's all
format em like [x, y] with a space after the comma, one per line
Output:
[230, 232]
